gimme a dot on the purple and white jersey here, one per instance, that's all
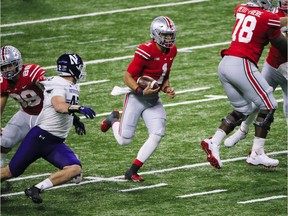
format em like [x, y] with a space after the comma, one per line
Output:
[49, 120]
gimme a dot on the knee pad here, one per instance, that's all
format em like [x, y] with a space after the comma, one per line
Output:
[268, 119]
[237, 116]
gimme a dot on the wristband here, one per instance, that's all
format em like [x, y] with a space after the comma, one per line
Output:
[165, 89]
[139, 91]
[74, 108]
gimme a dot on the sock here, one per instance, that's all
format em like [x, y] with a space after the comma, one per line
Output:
[44, 184]
[258, 145]
[244, 127]
[136, 166]
[218, 137]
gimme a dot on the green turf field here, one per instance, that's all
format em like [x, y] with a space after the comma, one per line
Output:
[178, 179]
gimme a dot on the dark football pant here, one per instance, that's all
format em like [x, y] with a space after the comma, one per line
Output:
[37, 144]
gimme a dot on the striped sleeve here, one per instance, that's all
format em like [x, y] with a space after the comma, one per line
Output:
[36, 73]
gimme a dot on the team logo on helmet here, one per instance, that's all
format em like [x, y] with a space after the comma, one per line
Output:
[70, 64]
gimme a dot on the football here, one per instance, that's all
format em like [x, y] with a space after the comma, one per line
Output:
[143, 81]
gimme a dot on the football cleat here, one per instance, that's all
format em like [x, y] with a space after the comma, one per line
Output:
[107, 123]
[133, 176]
[33, 193]
[212, 152]
[235, 138]
[261, 159]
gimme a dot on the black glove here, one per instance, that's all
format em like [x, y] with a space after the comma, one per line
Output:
[79, 126]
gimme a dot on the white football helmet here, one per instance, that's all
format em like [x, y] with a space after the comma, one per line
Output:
[265, 4]
[163, 31]
[10, 62]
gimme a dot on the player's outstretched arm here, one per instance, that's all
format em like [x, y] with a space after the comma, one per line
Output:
[60, 105]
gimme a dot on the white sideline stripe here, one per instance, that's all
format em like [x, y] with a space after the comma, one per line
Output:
[97, 61]
[143, 187]
[12, 194]
[263, 199]
[200, 194]
[93, 82]
[105, 179]
[50, 38]
[28, 177]
[97, 41]
[201, 164]
[211, 98]
[203, 46]
[100, 13]
[192, 90]
[10, 34]
[149, 172]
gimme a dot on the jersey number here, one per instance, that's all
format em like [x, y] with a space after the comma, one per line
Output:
[164, 69]
[27, 98]
[244, 29]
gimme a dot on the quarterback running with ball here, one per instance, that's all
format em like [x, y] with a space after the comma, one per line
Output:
[153, 59]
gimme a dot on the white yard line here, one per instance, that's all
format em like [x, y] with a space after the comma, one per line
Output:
[263, 199]
[102, 13]
[10, 34]
[28, 177]
[200, 194]
[93, 82]
[50, 38]
[98, 61]
[143, 187]
[120, 178]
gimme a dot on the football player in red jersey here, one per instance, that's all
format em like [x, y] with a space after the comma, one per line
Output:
[154, 59]
[255, 27]
[274, 74]
[20, 82]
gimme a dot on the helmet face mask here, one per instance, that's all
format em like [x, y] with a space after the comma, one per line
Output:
[265, 4]
[283, 5]
[163, 31]
[10, 62]
[70, 64]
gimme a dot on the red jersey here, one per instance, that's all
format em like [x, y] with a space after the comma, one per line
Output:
[253, 30]
[150, 61]
[274, 58]
[25, 91]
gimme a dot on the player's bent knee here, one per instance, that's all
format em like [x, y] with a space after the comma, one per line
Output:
[234, 119]
[6, 173]
[265, 119]
[123, 141]
[156, 137]
[74, 169]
